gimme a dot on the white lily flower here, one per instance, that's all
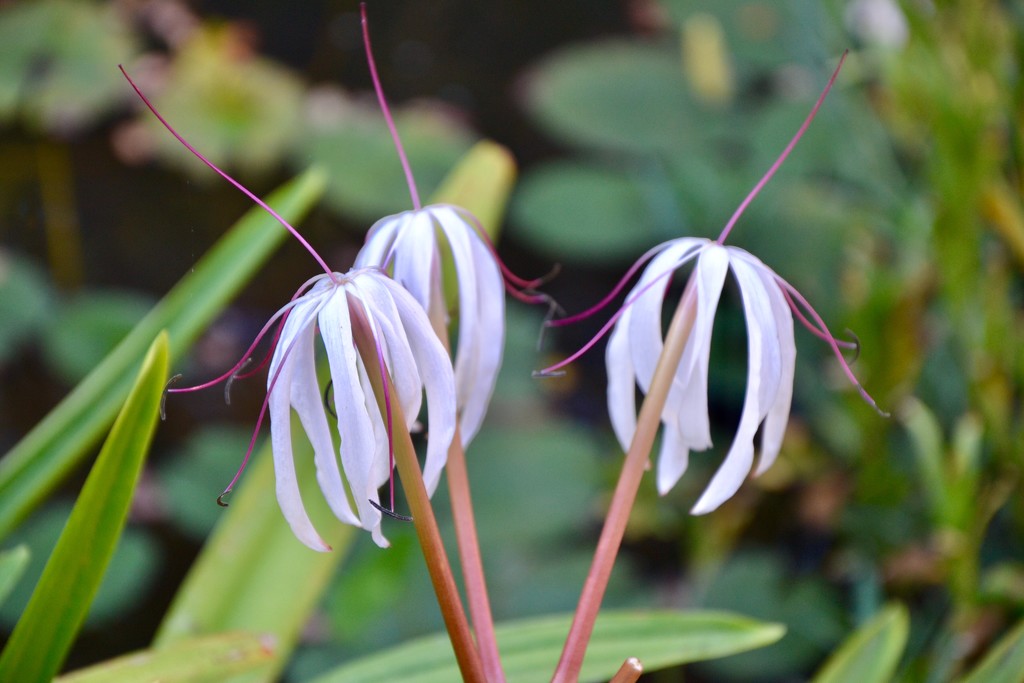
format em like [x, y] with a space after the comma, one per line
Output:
[411, 354]
[409, 247]
[636, 343]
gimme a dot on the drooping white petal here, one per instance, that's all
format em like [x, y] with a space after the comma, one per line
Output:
[416, 260]
[774, 428]
[763, 369]
[673, 458]
[438, 381]
[279, 406]
[621, 381]
[688, 401]
[358, 445]
[481, 319]
[379, 241]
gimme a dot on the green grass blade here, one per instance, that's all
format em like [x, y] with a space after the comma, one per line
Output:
[253, 574]
[12, 565]
[210, 659]
[872, 653]
[530, 647]
[39, 461]
[61, 599]
[1004, 662]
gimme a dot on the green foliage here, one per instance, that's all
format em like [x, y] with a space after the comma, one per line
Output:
[530, 647]
[872, 653]
[1004, 661]
[40, 641]
[12, 566]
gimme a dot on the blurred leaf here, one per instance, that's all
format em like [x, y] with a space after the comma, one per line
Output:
[240, 109]
[530, 648]
[25, 302]
[43, 635]
[584, 214]
[57, 68]
[12, 566]
[38, 462]
[481, 183]
[210, 659]
[872, 653]
[1004, 662]
[616, 95]
[88, 327]
[365, 176]
[253, 574]
[186, 479]
[757, 584]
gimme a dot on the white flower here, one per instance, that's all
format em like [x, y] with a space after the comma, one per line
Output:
[413, 357]
[409, 246]
[636, 343]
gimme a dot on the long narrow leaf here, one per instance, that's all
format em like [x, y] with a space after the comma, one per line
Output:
[530, 647]
[61, 599]
[1004, 662]
[872, 653]
[12, 566]
[253, 574]
[40, 460]
[210, 659]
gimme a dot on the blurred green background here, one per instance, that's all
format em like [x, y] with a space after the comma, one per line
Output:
[899, 216]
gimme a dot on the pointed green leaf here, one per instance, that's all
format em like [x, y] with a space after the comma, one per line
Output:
[871, 654]
[253, 574]
[530, 647]
[40, 460]
[61, 599]
[481, 183]
[210, 659]
[1004, 662]
[12, 566]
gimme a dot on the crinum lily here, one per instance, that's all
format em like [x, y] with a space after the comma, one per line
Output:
[637, 340]
[362, 305]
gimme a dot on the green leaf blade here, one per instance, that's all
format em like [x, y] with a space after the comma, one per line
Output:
[872, 653]
[210, 659]
[1004, 662]
[530, 647]
[65, 591]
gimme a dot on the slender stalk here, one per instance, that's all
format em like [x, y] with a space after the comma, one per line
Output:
[470, 664]
[465, 527]
[472, 565]
[629, 672]
[633, 468]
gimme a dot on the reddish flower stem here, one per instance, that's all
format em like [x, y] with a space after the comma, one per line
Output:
[470, 664]
[633, 469]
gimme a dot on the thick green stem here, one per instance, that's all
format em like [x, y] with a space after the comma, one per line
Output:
[633, 468]
[470, 664]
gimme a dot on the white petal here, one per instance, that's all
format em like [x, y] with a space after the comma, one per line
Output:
[481, 319]
[673, 458]
[774, 428]
[761, 337]
[621, 382]
[688, 400]
[438, 380]
[279, 405]
[358, 446]
[379, 242]
[416, 258]
[308, 404]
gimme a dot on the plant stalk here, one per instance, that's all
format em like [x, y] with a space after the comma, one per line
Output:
[633, 468]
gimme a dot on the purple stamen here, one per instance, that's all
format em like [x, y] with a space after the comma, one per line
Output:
[811, 327]
[244, 190]
[782, 157]
[387, 111]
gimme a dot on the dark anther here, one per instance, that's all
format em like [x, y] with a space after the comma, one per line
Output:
[327, 399]
[553, 310]
[390, 513]
[163, 397]
[856, 345]
[540, 374]
[232, 378]
[220, 499]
